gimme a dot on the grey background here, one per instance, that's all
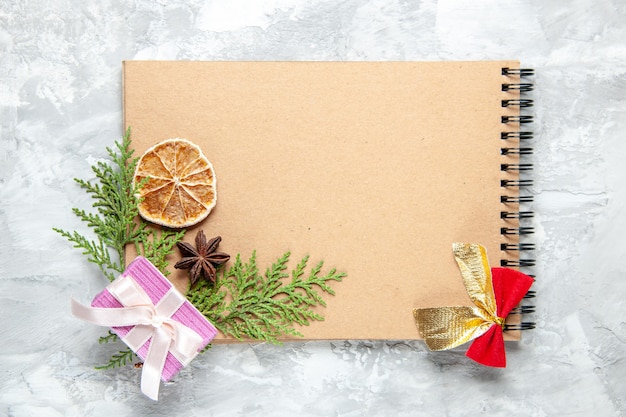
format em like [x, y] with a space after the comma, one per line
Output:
[60, 105]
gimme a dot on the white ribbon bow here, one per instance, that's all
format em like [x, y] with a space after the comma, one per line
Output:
[152, 322]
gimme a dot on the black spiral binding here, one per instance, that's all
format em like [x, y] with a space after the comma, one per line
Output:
[516, 151]
[516, 135]
[509, 213]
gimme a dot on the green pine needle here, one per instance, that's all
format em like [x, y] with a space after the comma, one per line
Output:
[245, 304]
[121, 358]
[110, 337]
[114, 222]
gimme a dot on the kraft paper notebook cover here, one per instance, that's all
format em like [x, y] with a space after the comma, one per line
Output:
[376, 168]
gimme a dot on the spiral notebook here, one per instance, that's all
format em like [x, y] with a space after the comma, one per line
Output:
[374, 167]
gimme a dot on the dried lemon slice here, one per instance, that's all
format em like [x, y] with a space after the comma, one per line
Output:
[180, 189]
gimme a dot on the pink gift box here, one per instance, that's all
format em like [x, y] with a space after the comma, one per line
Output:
[150, 279]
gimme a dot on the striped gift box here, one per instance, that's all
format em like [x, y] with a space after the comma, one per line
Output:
[155, 285]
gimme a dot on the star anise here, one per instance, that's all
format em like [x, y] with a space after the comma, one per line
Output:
[203, 260]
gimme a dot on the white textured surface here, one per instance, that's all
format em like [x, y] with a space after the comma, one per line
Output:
[60, 104]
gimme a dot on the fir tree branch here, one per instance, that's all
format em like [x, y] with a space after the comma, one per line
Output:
[245, 304]
[114, 222]
[110, 337]
[96, 252]
[156, 246]
[121, 358]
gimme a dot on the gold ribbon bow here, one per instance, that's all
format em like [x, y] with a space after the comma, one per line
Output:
[448, 327]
